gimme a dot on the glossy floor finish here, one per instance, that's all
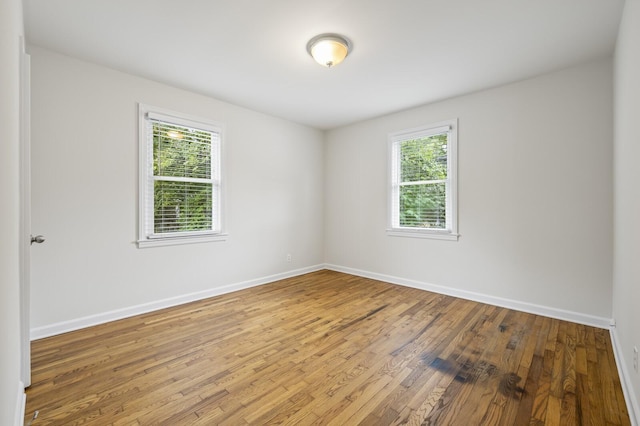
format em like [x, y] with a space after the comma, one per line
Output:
[328, 348]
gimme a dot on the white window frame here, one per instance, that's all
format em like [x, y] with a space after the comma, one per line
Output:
[451, 229]
[146, 237]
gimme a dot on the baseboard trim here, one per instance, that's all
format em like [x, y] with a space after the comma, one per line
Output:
[627, 388]
[546, 311]
[91, 320]
[21, 405]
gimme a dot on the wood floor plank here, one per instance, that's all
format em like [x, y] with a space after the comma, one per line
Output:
[529, 371]
[328, 348]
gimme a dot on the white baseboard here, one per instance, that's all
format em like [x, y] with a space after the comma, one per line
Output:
[517, 305]
[88, 321]
[21, 404]
[627, 388]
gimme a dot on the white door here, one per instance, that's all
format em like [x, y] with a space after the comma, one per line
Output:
[25, 215]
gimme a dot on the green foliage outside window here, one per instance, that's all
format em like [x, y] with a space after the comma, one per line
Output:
[423, 170]
[183, 204]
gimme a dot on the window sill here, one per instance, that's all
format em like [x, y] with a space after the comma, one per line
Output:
[172, 241]
[429, 234]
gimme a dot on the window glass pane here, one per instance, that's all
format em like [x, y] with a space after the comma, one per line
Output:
[182, 206]
[181, 152]
[424, 159]
[423, 206]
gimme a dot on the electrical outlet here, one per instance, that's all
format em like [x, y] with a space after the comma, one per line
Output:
[288, 257]
[635, 358]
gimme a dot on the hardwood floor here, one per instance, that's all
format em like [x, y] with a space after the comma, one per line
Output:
[328, 348]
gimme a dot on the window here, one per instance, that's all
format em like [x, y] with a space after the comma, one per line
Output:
[180, 192]
[423, 182]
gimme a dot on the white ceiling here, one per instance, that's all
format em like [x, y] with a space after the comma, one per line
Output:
[253, 52]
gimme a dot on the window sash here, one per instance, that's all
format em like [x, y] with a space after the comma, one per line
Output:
[183, 207]
[423, 217]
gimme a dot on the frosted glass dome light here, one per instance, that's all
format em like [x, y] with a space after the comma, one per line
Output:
[328, 49]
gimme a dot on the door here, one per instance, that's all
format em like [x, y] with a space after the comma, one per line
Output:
[25, 215]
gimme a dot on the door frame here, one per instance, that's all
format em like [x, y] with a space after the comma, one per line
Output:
[25, 215]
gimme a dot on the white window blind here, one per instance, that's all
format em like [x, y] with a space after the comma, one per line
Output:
[422, 190]
[181, 178]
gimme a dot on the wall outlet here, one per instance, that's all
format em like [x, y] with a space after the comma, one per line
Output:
[635, 358]
[288, 257]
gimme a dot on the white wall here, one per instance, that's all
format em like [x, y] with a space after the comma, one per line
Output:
[10, 31]
[626, 273]
[535, 199]
[84, 162]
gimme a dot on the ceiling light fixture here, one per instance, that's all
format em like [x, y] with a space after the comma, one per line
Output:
[329, 49]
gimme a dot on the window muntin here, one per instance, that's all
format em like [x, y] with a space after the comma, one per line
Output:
[423, 190]
[180, 178]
